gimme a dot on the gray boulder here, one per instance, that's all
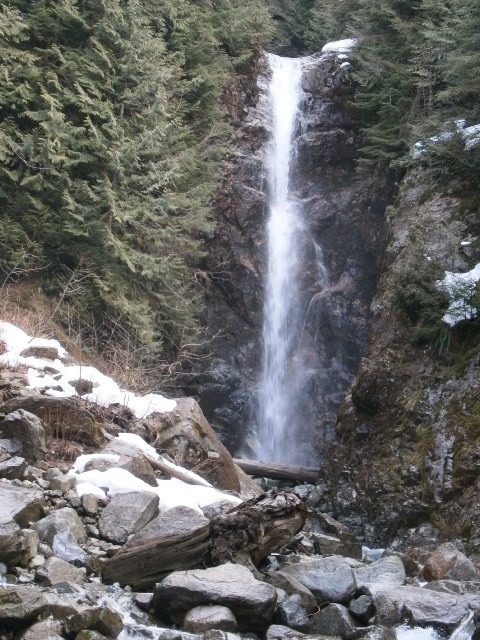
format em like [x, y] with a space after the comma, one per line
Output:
[362, 608]
[45, 630]
[61, 521]
[18, 507]
[129, 458]
[27, 428]
[291, 586]
[55, 570]
[10, 447]
[204, 618]
[233, 586]
[127, 513]
[13, 468]
[19, 606]
[420, 607]
[63, 531]
[279, 632]
[20, 504]
[329, 579]
[14, 545]
[101, 619]
[59, 481]
[383, 575]
[334, 620]
[291, 613]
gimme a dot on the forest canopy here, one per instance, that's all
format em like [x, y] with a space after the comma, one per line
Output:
[112, 130]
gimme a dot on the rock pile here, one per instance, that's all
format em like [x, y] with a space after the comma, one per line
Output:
[94, 560]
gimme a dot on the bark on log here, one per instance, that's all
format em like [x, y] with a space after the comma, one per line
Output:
[256, 528]
[278, 471]
[181, 539]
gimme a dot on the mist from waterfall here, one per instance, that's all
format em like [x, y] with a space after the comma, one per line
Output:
[280, 382]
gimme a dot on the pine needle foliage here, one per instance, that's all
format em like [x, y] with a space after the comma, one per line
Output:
[111, 132]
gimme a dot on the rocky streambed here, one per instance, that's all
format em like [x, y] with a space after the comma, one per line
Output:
[100, 548]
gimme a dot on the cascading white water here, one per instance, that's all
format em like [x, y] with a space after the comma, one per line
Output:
[279, 387]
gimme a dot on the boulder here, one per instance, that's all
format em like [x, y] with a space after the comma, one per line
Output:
[127, 513]
[27, 428]
[233, 586]
[19, 606]
[174, 540]
[17, 546]
[59, 481]
[420, 607]
[90, 504]
[64, 418]
[326, 525]
[101, 619]
[203, 618]
[61, 521]
[292, 586]
[362, 608]
[13, 468]
[45, 630]
[88, 634]
[130, 458]
[291, 613]
[333, 620]
[20, 504]
[63, 531]
[279, 632]
[382, 575]
[326, 545]
[329, 579]
[10, 447]
[55, 570]
[186, 433]
[448, 562]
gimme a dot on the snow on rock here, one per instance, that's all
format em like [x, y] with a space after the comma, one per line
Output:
[82, 461]
[340, 46]
[138, 442]
[460, 287]
[471, 136]
[172, 493]
[56, 378]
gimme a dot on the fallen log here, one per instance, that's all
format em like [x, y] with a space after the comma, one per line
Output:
[182, 539]
[173, 471]
[278, 471]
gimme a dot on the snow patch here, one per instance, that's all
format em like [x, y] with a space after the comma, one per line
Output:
[56, 378]
[340, 46]
[459, 287]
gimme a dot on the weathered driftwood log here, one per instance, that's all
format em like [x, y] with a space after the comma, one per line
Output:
[278, 471]
[183, 539]
[256, 528]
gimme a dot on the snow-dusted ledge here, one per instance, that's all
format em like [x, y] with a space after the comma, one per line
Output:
[55, 377]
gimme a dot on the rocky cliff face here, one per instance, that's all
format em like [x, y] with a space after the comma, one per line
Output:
[408, 449]
[344, 229]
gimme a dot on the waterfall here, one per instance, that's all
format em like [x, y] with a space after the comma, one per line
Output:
[280, 389]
